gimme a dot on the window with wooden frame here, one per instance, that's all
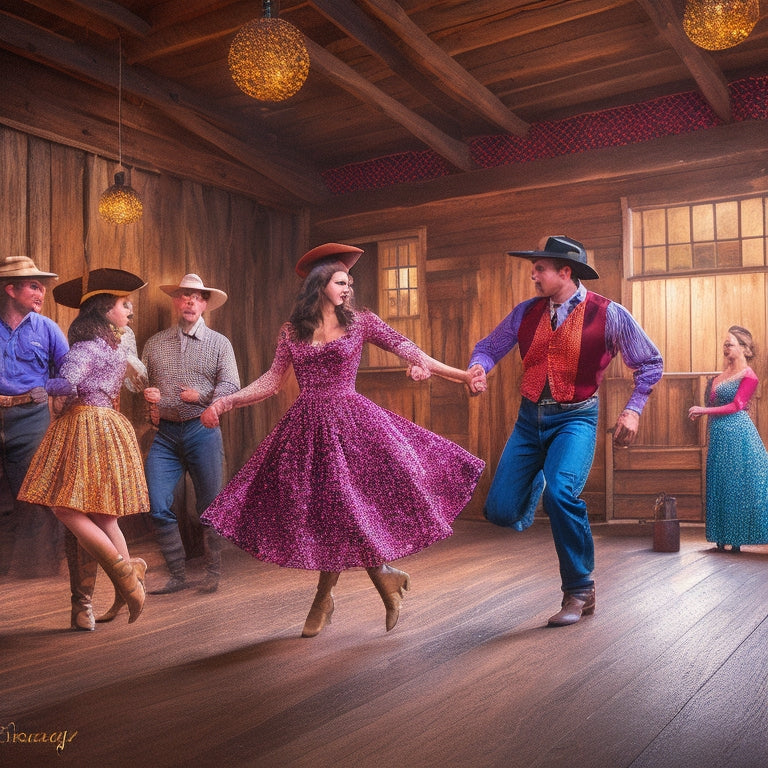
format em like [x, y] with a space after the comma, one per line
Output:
[389, 280]
[695, 269]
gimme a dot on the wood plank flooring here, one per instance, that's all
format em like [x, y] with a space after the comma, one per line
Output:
[671, 671]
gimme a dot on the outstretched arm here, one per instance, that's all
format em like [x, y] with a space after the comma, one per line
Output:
[429, 366]
[268, 384]
[744, 394]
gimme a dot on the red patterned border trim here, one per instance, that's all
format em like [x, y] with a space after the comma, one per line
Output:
[634, 124]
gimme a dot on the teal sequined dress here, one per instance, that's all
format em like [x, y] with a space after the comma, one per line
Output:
[737, 475]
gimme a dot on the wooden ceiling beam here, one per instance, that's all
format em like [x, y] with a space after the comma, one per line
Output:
[185, 107]
[360, 27]
[703, 69]
[450, 73]
[455, 152]
[121, 17]
[41, 104]
[745, 142]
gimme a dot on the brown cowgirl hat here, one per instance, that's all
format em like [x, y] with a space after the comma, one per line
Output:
[346, 254]
[117, 282]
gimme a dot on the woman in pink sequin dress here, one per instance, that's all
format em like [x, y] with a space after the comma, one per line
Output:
[340, 482]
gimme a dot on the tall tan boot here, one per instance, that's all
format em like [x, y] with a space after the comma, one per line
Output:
[124, 575]
[117, 605]
[390, 584]
[322, 607]
[82, 579]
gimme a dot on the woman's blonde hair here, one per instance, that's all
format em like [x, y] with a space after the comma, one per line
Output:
[744, 337]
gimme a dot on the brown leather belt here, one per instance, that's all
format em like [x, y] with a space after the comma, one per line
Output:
[8, 401]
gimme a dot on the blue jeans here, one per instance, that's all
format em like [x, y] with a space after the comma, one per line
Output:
[179, 447]
[551, 450]
[21, 430]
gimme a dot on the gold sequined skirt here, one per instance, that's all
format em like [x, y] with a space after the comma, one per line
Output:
[88, 460]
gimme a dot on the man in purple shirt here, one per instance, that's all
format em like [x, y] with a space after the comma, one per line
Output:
[31, 349]
[567, 336]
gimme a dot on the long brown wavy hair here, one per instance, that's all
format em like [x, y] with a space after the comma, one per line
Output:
[92, 321]
[307, 311]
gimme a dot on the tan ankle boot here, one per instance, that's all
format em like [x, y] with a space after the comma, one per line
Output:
[390, 584]
[322, 607]
[124, 575]
[117, 605]
[575, 605]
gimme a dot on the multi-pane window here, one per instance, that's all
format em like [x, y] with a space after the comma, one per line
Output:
[700, 237]
[400, 279]
[694, 270]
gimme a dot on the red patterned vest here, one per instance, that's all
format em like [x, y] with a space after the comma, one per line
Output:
[573, 358]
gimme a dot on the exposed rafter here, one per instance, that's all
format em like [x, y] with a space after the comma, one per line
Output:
[703, 69]
[456, 152]
[451, 75]
[185, 107]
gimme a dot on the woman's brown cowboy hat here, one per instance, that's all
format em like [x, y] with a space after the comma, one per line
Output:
[346, 254]
[565, 249]
[117, 282]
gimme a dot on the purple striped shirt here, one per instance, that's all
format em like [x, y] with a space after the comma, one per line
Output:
[623, 335]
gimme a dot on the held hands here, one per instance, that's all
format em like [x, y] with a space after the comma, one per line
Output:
[477, 380]
[152, 395]
[625, 431]
[695, 411]
[210, 416]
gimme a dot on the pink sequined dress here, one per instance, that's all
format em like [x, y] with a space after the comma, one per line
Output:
[341, 482]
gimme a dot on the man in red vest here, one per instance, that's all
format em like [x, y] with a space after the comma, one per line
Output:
[567, 336]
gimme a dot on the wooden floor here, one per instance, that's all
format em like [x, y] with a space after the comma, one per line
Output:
[671, 671]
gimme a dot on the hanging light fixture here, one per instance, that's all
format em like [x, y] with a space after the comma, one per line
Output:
[268, 58]
[719, 24]
[120, 204]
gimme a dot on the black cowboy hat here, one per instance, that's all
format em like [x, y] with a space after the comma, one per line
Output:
[117, 282]
[565, 249]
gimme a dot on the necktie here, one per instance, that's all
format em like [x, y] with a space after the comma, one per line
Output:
[553, 316]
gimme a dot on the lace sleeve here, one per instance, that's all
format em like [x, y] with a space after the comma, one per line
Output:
[377, 332]
[268, 384]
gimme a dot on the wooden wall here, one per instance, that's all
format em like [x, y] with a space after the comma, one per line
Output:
[50, 196]
[472, 284]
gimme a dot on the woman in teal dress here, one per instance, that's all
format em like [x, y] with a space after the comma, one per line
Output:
[737, 462]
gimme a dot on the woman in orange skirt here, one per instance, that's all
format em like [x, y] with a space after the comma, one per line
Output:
[88, 467]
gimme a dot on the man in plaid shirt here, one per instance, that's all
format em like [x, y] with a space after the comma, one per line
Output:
[188, 367]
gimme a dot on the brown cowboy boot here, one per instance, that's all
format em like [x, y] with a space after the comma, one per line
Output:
[82, 579]
[580, 602]
[124, 575]
[390, 584]
[322, 606]
[140, 567]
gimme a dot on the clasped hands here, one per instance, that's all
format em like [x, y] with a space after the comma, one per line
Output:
[474, 379]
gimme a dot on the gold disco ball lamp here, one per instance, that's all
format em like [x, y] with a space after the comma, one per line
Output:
[268, 58]
[120, 203]
[719, 24]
